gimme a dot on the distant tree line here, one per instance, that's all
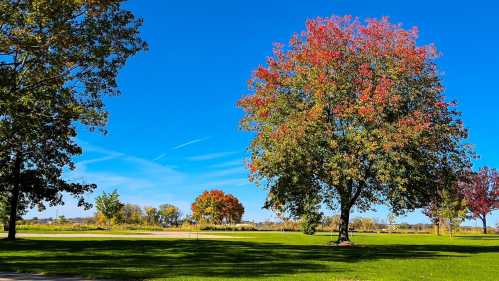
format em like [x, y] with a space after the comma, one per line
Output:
[211, 207]
[110, 210]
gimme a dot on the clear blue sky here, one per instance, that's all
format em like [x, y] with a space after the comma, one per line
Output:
[174, 131]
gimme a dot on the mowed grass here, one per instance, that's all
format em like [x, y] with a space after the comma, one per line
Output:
[262, 256]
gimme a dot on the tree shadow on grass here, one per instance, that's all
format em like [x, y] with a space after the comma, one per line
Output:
[143, 259]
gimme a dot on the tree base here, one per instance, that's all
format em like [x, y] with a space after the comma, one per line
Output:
[344, 244]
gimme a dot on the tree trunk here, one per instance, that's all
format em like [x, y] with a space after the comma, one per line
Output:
[437, 225]
[484, 221]
[14, 200]
[344, 221]
[5, 224]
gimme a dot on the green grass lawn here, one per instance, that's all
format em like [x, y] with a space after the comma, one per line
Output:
[261, 255]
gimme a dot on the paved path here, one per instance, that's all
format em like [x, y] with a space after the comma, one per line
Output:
[153, 235]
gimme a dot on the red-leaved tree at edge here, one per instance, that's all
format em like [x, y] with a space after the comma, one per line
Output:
[481, 193]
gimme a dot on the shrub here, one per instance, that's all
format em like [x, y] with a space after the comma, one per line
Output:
[309, 222]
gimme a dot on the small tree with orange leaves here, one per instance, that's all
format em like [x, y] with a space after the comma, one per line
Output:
[216, 207]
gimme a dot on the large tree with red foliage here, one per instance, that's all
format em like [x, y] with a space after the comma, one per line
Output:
[481, 192]
[216, 207]
[351, 114]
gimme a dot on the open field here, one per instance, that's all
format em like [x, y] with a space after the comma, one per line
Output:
[262, 255]
[148, 235]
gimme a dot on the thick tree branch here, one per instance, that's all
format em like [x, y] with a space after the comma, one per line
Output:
[356, 195]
